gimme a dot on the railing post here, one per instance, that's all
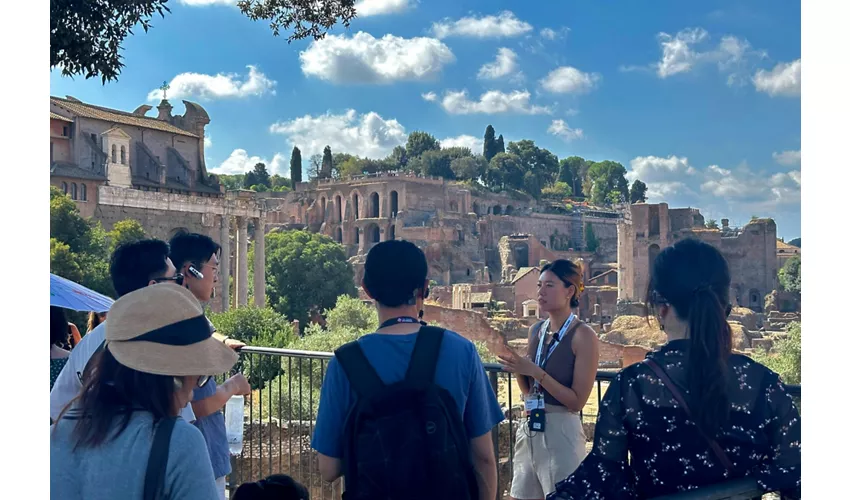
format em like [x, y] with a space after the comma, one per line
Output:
[494, 383]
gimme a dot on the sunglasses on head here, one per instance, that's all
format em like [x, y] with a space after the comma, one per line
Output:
[177, 278]
[202, 381]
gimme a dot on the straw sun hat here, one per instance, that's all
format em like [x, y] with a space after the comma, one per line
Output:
[161, 329]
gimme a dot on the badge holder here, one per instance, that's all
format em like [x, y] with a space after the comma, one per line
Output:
[536, 412]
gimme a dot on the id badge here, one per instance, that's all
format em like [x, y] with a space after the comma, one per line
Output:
[537, 420]
[531, 404]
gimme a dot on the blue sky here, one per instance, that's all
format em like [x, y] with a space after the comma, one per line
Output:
[700, 100]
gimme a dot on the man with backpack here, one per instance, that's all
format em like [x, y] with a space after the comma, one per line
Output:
[406, 412]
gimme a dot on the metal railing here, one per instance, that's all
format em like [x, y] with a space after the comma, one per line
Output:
[282, 408]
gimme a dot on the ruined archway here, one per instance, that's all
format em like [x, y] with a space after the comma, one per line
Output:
[355, 201]
[475, 208]
[509, 210]
[375, 200]
[392, 232]
[393, 203]
[373, 234]
[497, 210]
[755, 298]
[324, 209]
[339, 235]
[338, 201]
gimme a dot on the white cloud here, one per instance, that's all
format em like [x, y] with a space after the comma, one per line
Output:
[663, 177]
[239, 162]
[476, 144]
[367, 8]
[207, 142]
[569, 80]
[561, 129]
[788, 158]
[688, 49]
[506, 24]
[220, 86]
[504, 65]
[676, 53]
[366, 59]
[782, 80]
[491, 102]
[675, 180]
[429, 96]
[367, 134]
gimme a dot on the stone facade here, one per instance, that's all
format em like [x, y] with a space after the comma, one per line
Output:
[750, 251]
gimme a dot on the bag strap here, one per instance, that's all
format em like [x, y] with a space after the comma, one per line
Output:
[361, 374]
[423, 361]
[712, 443]
[158, 460]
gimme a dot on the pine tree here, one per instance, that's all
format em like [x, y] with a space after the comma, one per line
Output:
[295, 166]
[327, 162]
[500, 144]
[489, 143]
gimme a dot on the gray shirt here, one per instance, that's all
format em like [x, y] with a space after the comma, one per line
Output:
[117, 469]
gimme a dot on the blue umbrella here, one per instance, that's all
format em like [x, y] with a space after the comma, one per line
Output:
[69, 295]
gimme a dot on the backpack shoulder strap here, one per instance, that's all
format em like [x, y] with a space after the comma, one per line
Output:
[361, 374]
[423, 361]
[158, 460]
[712, 443]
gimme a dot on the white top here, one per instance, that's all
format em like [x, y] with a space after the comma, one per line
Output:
[68, 384]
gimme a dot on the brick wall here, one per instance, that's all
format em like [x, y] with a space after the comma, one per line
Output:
[469, 324]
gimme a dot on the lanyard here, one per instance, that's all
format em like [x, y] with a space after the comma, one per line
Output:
[552, 345]
[399, 320]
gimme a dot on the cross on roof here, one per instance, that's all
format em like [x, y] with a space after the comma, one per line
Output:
[164, 89]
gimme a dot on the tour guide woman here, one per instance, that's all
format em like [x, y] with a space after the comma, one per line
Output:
[555, 378]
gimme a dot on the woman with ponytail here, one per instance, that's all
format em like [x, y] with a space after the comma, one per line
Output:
[692, 413]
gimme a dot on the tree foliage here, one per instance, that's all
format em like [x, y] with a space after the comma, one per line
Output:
[637, 194]
[262, 327]
[259, 176]
[608, 182]
[469, 167]
[295, 166]
[86, 37]
[795, 242]
[785, 358]
[78, 247]
[591, 242]
[557, 191]
[789, 275]
[490, 146]
[125, 231]
[305, 18]
[711, 224]
[305, 272]
[418, 142]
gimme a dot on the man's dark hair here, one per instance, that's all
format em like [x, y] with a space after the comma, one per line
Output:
[394, 270]
[134, 265]
[191, 248]
[277, 486]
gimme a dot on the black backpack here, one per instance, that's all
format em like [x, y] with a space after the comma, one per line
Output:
[405, 440]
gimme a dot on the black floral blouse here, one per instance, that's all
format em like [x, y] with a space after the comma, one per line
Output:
[639, 417]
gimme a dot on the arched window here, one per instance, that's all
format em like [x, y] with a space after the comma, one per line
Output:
[83, 194]
[123, 155]
[376, 205]
[73, 190]
[339, 235]
[356, 204]
[114, 153]
[393, 203]
[65, 187]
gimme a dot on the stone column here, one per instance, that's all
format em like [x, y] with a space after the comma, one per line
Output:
[260, 261]
[224, 262]
[242, 262]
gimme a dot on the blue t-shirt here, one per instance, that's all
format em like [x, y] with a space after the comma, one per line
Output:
[214, 431]
[459, 371]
